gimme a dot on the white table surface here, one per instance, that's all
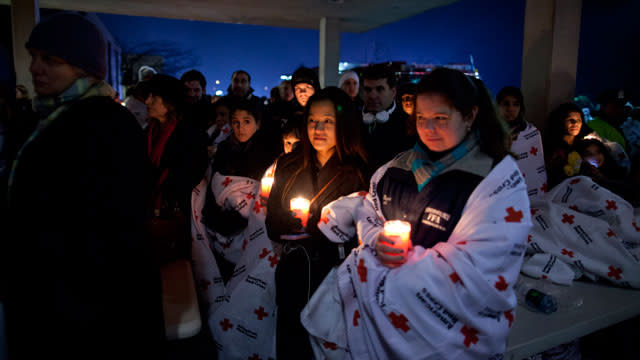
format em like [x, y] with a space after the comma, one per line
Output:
[602, 306]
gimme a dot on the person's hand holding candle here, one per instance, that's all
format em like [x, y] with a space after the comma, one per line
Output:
[393, 243]
[265, 186]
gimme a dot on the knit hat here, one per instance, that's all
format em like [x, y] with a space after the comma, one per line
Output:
[349, 74]
[72, 38]
[170, 89]
[305, 76]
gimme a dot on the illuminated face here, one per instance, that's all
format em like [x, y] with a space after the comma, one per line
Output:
[288, 141]
[573, 123]
[286, 93]
[408, 103]
[440, 126]
[244, 125]
[303, 93]
[378, 95]
[321, 126]
[156, 108]
[350, 86]
[194, 91]
[509, 108]
[50, 74]
[222, 116]
[240, 84]
[593, 155]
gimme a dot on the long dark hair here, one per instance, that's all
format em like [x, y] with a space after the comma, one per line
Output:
[516, 93]
[555, 126]
[171, 90]
[464, 93]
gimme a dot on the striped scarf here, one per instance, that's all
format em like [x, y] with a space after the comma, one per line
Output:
[424, 169]
[51, 108]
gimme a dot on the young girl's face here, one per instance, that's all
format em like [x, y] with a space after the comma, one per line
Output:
[593, 155]
[321, 126]
[289, 140]
[244, 125]
[573, 123]
[509, 108]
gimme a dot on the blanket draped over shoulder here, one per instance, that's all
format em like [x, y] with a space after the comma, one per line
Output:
[241, 314]
[452, 301]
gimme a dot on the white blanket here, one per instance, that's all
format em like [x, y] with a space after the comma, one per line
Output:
[530, 158]
[242, 314]
[579, 229]
[452, 301]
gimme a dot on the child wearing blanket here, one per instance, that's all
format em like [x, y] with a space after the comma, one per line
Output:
[451, 296]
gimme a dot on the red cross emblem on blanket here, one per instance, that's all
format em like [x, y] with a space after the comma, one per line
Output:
[455, 277]
[227, 181]
[362, 271]
[509, 315]
[225, 130]
[356, 316]
[226, 324]
[363, 193]
[399, 321]
[574, 181]
[614, 272]
[195, 215]
[635, 226]
[513, 215]
[325, 216]
[260, 313]
[329, 345]
[529, 238]
[264, 253]
[464, 242]
[566, 218]
[254, 357]
[533, 211]
[244, 244]
[611, 233]
[567, 252]
[543, 188]
[204, 284]
[257, 207]
[470, 335]
[250, 196]
[611, 205]
[501, 284]
[574, 207]
[534, 151]
[273, 260]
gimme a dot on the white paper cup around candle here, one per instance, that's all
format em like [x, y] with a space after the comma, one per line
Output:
[265, 186]
[300, 207]
[399, 231]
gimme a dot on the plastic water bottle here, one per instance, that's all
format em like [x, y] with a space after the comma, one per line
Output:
[535, 299]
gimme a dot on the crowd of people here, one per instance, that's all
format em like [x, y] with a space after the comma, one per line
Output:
[98, 196]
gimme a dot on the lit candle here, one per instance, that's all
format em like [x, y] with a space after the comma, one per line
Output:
[265, 188]
[399, 231]
[300, 207]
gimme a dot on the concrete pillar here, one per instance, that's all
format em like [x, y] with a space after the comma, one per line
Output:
[549, 56]
[329, 51]
[25, 14]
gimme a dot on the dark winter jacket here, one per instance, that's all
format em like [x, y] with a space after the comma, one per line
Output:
[383, 141]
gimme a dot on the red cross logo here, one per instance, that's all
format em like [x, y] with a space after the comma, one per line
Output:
[455, 277]
[399, 321]
[566, 218]
[529, 238]
[204, 284]
[513, 215]
[226, 246]
[227, 181]
[567, 252]
[574, 181]
[534, 151]
[509, 315]
[543, 276]
[264, 253]
[244, 244]
[225, 130]
[635, 226]
[195, 215]
[464, 242]
[533, 211]
[356, 316]
[257, 207]
[325, 216]
[611, 205]
[250, 196]
[543, 188]
[615, 272]
[611, 233]
[260, 313]
[362, 271]
[574, 207]
[470, 335]
[226, 324]
[363, 193]
[273, 260]
[329, 345]
[502, 284]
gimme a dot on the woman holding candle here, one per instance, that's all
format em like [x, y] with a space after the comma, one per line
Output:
[439, 281]
[326, 166]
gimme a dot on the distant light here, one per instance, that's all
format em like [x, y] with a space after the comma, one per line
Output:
[217, 82]
[285, 77]
[219, 93]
